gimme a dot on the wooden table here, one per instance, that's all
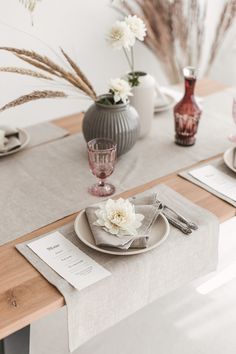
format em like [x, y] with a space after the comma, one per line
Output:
[26, 296]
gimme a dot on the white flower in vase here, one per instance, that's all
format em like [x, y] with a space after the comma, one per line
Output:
[137, 26]
[120, 36]
[120, 89]
[118, 217]
[123, 35]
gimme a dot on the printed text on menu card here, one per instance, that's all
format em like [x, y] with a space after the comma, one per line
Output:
[68, 261]
[217, 180]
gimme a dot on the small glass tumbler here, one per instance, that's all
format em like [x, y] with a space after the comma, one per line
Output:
[102, 158]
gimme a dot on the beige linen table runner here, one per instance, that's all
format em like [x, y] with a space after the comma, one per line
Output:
[49, 182]
[44, 132]
[135, 280]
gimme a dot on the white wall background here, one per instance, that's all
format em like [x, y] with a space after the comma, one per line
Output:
[79, 27]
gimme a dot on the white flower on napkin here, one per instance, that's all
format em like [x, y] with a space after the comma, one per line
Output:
[118, 217]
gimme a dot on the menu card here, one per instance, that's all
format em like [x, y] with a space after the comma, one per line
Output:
[68, 260]
[217, 180]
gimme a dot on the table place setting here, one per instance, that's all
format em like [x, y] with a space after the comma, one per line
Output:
[13, 140]
[116, 227]
[216, 178]
[230, 158]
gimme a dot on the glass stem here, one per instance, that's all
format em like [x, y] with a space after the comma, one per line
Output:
[101, 182]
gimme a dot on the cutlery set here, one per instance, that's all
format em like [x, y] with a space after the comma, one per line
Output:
[175, 219]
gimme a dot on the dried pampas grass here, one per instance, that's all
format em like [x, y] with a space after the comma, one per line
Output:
[176, 31]
[29, 4]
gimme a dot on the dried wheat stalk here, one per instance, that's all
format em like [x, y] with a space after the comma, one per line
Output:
[15, 70]
[35, 95]
[76, 78]
[78, 71]
[55, 69]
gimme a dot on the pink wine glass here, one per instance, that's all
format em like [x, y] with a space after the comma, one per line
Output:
[233, 137]
[102, 158]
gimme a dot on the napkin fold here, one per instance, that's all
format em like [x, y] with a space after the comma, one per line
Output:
[105, 239]
[9, 139]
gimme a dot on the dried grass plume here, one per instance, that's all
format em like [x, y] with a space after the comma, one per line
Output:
[49, 70]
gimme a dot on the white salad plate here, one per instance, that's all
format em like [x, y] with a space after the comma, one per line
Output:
[158, 234]
[24, 139]
[230, 158]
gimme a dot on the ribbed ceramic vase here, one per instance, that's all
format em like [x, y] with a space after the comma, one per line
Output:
[119, 122]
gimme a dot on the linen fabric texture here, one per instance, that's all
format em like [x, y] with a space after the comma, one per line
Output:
[136, 280]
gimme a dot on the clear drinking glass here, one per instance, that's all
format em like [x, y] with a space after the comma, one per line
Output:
[233, 137]
[102, 158]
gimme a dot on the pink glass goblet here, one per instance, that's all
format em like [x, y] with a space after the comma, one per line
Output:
[233, 137]
[102, 158]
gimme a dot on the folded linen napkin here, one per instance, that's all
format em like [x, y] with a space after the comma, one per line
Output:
[106, 239]
[9, 139]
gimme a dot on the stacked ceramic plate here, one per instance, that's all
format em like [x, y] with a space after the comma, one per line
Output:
[165, 99]
[23, 137]
[158, 234]
[230, 158]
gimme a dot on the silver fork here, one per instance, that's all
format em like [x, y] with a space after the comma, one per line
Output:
[191, 225]
[173, 221]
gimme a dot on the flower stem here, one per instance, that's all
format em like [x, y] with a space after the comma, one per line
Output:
[101, 183]
[128, 59]
[132, 60]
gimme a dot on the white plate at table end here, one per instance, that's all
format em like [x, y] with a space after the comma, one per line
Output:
[171, 101]
[24, 139]
[228, 158]
[159, 232]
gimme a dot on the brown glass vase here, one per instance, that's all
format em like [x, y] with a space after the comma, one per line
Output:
[187, 113]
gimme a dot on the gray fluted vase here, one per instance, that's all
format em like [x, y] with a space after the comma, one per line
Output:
[119, 122]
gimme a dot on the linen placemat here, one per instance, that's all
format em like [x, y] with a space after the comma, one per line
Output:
[50, 181]
[44, 132]
[220, 165]
[135, 280]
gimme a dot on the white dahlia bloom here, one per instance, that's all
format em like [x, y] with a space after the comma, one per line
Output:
[118, 217]
[137, 26]
[120, 36]
[120, 90]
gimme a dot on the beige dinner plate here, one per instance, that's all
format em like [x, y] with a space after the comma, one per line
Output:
[170, 103]
[159, 232]
[229, 157]
[24, 139]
